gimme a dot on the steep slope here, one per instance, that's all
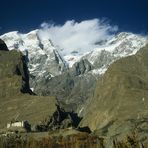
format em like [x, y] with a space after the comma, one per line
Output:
[120, 100]
[13, 63]
[16, 101]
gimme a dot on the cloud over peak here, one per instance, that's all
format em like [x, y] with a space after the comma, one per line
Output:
[77, 35]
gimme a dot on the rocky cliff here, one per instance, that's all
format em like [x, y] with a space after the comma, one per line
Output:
[120, 101]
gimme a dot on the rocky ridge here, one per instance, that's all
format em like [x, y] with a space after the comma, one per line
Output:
[119, 105]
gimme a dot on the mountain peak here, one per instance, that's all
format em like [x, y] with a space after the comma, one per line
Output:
[46, 61]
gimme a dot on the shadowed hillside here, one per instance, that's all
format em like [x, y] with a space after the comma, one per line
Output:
[120, 101]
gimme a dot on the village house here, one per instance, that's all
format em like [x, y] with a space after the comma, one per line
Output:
[15, 124]
[19, 124]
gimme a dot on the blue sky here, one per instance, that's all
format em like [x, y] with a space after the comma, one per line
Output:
[26, 15]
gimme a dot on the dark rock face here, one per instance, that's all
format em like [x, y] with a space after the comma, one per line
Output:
[22, 70]
[25, 76]
[60, 120]
[81, 67]
[3, 46]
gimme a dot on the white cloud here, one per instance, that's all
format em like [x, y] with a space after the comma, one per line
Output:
[77, 35]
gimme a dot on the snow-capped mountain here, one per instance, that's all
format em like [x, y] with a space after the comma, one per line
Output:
[121, 45]
[41, 53]
[46, 61]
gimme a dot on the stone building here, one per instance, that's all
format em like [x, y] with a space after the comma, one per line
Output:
[19, 124]
[15, 124]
